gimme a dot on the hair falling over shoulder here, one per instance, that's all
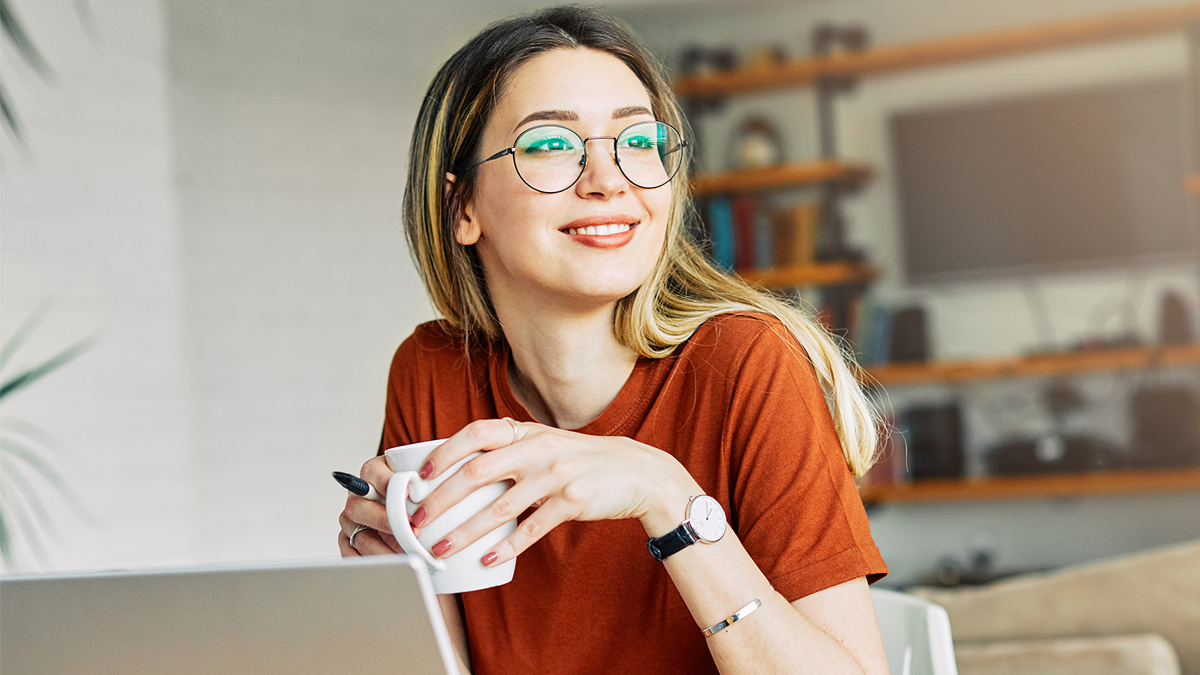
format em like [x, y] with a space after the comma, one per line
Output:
[683, 291]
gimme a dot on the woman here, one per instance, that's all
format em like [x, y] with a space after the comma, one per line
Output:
[545, 205]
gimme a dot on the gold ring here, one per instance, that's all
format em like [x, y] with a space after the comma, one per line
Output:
[513, 424]
[358, 529]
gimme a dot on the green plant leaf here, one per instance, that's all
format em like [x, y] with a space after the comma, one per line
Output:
[30, 501]
[5, 541]
[40, 512]
[25, 454]
[23, 331]
[20, 39]
[18, 382]
[51, 475]
[11, 122]
[15, 426]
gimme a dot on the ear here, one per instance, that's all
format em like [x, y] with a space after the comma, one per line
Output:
[467, 231]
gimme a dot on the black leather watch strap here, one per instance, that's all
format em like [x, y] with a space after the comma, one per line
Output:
[672, 542]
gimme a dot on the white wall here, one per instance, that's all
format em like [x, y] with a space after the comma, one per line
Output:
[980, 318]
[214, 188]
[90, 222]
[292, 122]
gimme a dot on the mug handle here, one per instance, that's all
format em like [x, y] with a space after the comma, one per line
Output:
[398, 487]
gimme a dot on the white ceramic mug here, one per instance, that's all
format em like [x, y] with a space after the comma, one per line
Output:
[463, 571]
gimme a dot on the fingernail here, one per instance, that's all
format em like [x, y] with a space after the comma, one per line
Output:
[417, 517]
[490, 558]
[426, 470]
[441, 548]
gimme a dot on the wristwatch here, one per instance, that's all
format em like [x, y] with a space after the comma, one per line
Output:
[704, 521]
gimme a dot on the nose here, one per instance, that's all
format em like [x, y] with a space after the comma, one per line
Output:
[601, 175]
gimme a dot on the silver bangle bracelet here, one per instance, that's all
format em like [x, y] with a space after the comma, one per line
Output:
[737, 616]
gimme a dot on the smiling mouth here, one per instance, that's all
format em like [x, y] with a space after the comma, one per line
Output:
[594, 230]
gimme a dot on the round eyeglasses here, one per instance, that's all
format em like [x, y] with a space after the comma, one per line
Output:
[550, 158]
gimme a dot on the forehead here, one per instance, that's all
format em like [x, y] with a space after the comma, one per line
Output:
[589, 83]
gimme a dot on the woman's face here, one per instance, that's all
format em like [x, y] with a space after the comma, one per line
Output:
[531, 244]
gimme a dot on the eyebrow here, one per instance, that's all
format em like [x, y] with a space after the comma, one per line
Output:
[571, 116]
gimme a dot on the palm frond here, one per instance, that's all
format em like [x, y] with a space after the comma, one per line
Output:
[18, 382]
[20, 39]
[5, 540]
[23, 331]
[8, 114]
[17, 450]
[32, 432]
[31, 503]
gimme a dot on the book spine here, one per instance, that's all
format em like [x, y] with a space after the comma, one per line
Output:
[720, 219]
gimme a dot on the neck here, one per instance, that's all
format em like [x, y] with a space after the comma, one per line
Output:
[566, 368]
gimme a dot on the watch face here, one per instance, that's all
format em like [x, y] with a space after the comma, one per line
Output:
[707, 518]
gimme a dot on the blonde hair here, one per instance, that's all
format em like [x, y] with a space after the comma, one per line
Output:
[683, 291]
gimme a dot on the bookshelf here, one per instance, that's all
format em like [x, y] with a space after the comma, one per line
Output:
[1096, 483]
[783, 176]
[944, 51]
[834, 175]
[816, 274]
[1037, 365]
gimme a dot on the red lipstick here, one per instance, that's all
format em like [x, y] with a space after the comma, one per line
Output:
[602, 231]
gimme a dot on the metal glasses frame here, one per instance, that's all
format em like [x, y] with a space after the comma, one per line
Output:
[583, 159]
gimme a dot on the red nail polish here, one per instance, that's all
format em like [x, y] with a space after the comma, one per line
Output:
[441, 548]
[490, 558]
[418, 517]
[426, 470]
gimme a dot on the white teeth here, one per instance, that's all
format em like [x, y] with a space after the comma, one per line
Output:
[599, 229]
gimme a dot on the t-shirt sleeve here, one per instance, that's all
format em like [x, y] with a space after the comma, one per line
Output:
[402, 387]
[793, 499]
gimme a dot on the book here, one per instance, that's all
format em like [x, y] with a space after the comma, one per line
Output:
[764, 246]
[720, 224]
[743, 232]
[795, 235]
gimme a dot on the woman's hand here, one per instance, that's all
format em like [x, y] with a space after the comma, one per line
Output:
[562, 474]
[377, 538]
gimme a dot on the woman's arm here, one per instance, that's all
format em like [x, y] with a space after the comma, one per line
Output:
[570, 476]
[830, 631]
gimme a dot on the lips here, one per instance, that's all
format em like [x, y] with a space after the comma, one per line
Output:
[599, 229]
[611, 231]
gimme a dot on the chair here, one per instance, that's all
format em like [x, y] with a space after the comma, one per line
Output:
[916, 634]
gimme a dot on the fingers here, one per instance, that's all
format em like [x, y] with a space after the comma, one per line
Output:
[362, 511]
[376, 472]
[548, 516]
[375, 539]
[505, 508]
[481, 435]
[486, 469]
[367, 541]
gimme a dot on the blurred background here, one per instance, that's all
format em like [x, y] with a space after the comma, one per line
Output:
[206, 198]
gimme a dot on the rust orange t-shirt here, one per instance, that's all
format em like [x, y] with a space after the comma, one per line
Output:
[738, 405]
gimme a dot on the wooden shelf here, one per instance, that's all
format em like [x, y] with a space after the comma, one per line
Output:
[1193, 184]
[817, 274]
[782, 176]
[1035, 487]
[1041, 365]
[944, 51]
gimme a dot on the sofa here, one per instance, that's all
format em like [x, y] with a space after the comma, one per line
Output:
[1133, 615]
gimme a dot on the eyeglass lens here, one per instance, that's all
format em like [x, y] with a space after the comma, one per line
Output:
[550, 158]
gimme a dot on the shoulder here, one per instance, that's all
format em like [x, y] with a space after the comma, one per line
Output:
[750, 352]
[435, 347]
[736, 336]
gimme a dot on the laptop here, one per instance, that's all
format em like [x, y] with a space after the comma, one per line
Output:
[371, 614]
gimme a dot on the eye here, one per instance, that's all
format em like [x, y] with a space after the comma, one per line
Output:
[638, 142]
[547, 145]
